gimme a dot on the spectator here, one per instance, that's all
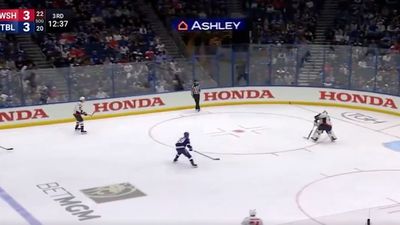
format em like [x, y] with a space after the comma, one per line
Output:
[30, 81]
[43, 94]
[101, 93]
[177, 83]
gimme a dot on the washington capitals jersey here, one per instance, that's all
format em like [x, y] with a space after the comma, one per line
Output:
[79, 108]
[322, 119]
[252, 220]
[182, 143]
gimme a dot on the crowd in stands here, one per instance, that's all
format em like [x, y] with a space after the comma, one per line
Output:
[373, 28]
[103, 81]
[110, 35]
[368, 72]
[113, 51]
[104, 32]
[371, 23]
[170, 9]
[283, 21]
[108, 31]
[12, 58]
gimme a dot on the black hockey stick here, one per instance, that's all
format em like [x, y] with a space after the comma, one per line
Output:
[6, 148]
[206, 155]
[309, 135]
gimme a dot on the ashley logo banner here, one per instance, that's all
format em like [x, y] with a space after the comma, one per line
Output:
[191, 25]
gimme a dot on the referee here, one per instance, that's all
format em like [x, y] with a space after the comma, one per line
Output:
[196, 94]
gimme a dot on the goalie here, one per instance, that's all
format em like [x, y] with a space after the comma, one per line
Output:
[323, 123]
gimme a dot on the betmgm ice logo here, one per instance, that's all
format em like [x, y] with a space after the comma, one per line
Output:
[113, 192]
[192, 25]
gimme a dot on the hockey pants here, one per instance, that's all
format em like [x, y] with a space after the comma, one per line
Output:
[321, 128]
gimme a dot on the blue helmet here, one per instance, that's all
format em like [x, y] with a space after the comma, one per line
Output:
[186, 134]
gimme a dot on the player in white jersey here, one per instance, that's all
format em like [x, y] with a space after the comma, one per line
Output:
[323, 123]
[252, 219]
[78, 112]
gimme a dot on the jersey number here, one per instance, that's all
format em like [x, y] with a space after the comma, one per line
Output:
[182, 140]
[254, 222]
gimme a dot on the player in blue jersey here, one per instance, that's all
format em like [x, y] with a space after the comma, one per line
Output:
[181, 145]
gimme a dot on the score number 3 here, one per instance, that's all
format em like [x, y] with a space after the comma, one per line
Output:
[26, 27]
[27, 15]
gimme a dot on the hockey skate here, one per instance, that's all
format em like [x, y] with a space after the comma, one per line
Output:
[193, 164]
[83, 132]
[332, 136]
[314, 139]
[175, 159]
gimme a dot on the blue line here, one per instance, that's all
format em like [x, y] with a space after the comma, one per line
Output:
[18, 208]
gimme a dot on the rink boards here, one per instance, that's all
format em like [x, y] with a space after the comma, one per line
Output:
[62, 112]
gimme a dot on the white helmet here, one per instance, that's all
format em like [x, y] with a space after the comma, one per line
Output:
[324, 114]
[82, 99]
[252, 212]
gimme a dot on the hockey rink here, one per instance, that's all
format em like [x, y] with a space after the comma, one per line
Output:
[121, 172]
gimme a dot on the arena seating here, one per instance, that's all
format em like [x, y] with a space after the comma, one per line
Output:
[113, 51]
[369, 23]
[107, 32]
[280, 21]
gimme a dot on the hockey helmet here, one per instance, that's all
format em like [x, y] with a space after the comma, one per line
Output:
[82, 99]
[324, 114]
[186, 134]
[195, 82]
[252, 212]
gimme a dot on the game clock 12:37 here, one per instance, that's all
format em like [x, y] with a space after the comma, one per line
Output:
[58, 20]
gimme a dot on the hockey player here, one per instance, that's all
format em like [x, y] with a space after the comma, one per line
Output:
[78, 112]
[252, 219]
[181, 145]
[323, 123]
[196, 94]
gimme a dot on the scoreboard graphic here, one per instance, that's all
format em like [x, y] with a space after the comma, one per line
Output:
[26, 21]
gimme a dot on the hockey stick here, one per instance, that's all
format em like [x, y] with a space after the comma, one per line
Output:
[8, 149]
[309, 135]
[206, 155]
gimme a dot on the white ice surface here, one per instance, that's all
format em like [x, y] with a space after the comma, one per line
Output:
[265, 164]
